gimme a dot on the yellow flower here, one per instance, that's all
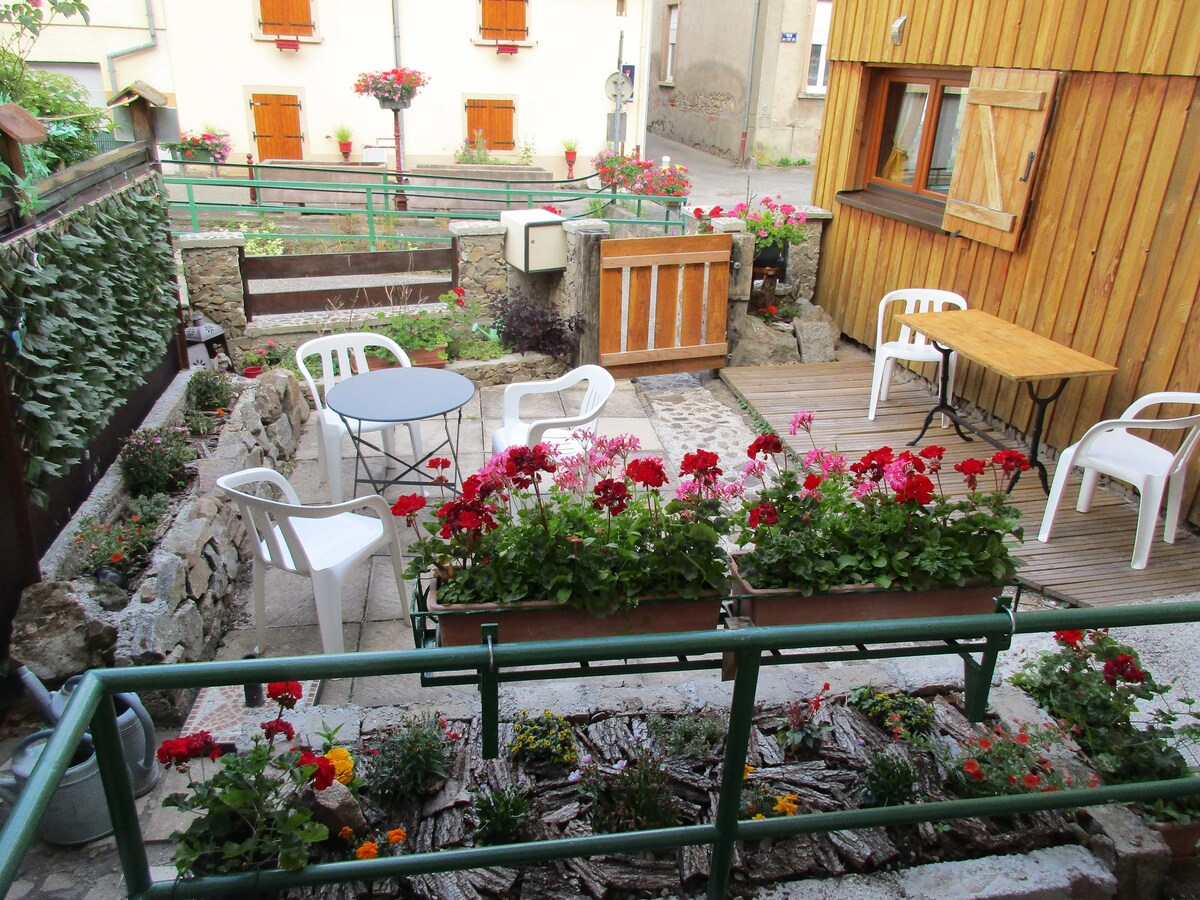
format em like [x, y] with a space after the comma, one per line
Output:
[746, 770]
[369, 850]
[396, 835]
[760, 816]
[343, 764]
[786, 804]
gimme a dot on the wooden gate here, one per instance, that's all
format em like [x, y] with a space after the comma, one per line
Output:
[664, 304]
[277, 126]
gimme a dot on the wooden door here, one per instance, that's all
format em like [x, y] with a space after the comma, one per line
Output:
[664, 304]
[494, 118]
[277, 126]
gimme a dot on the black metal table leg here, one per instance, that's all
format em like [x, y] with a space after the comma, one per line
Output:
[944, 405]
[1035, 438]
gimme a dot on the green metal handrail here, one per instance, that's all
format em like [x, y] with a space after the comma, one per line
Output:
[92, 703]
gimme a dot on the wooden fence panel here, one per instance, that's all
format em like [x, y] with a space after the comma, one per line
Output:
[664, 304]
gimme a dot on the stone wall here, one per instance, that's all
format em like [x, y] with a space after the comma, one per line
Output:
[482, 269]
[213, 278]
[180, 609]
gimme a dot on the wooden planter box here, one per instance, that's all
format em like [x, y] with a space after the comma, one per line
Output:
[857, 603]
[542, 620]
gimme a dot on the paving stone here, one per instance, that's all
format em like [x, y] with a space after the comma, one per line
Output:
[1041, 875]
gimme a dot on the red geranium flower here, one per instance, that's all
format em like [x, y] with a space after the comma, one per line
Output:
[408, 506]
[175, 751]
[647, 471]
[322, 777]
[1123, 668]
[701, 465]
[286, 693]
[438, 462]
[278, 726]
[612, 495]
[1011, 461]
[1031, 780]
[764, 514]
[765, 444]
[1070, 638]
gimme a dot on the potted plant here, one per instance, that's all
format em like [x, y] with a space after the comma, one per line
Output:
[838, 541]
[422, 336]
[572, 546]
[571, 152]
[253, 811]
[393, 88]
[209, 146]
[642, 176]
[342, 134]
[775, 225]
[261, 357]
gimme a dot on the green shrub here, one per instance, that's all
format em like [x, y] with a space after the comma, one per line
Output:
[409, 759]
[546, 739]
[688, 735]
[634, 797]
[889, 781]
[153, 460]
[501, 814]
[900, 713]
[208, 389]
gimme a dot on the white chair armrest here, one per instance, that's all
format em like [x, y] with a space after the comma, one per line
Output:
[1104, 427]
[538, 429]
[511, 409]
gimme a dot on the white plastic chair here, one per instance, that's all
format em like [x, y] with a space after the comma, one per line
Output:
[343, 355]
[911, 345]
[321, 542]
[514, 432]
[1108, 448]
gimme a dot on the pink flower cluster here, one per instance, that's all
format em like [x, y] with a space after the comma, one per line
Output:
[391, 84]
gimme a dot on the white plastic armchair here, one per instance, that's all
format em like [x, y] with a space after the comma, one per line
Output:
[1108, 448]
[343, 355]
[556, 431]
[910, 345]
[321, 542]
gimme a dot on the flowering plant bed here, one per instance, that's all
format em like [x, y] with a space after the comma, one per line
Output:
[590, 531]
[210, 145]
[608, 773]
[881, 521]
[641, 176]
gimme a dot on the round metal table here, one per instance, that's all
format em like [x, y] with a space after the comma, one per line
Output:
[405, 394]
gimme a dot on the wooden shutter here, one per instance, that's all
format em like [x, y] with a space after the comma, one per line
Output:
[277, 126]
[503, 20]
[999, 154]
[286, 17]
[495, 119]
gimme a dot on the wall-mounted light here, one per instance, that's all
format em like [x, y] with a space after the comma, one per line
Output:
[898, 30]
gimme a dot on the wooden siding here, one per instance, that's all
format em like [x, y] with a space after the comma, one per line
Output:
[1150, 37]
[1109, 263]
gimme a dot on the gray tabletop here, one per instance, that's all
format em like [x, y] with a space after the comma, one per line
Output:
[400, 395]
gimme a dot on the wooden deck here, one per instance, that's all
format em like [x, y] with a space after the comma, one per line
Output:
[1086, 563]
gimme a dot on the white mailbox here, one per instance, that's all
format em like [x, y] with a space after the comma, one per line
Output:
[534, 240]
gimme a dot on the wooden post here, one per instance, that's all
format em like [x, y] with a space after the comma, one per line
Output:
[17, 127]
[587, 295]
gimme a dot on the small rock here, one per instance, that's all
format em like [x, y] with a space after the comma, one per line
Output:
[335, 808]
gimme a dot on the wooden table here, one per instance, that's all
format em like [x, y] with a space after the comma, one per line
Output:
[1009, 350]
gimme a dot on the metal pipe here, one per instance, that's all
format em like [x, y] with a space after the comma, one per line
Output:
[148, 45]
[399, 123]
[749, 82]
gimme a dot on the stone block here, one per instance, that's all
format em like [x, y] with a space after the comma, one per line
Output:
[762, 345]
[1132, 851]
[1041, 875]
[816, 334]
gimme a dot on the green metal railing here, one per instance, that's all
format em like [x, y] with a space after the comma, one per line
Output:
[92, 707]
[377, 201]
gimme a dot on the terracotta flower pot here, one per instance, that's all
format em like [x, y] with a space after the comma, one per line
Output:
[344, 147]
[857, 603]
[571, 156]
[1179, 838]
[543, 620]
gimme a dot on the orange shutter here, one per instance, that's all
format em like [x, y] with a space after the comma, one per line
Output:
[495, 119]
[277, 126]
[503, 20]
[999, 153]
[286, 17]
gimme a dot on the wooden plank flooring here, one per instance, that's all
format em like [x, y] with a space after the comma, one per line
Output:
[1086, 563]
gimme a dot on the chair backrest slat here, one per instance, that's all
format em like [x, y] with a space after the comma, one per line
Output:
[342, 355]
[915, 300]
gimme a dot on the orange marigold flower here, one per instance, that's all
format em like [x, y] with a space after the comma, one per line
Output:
[368, 850]
[346, 833]
[397, 836]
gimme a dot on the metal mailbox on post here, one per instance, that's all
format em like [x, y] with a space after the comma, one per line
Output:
[534, 241]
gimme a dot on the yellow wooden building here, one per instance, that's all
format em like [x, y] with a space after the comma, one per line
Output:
[1039, 157]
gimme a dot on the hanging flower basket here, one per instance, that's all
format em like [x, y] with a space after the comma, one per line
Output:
[387, 103]
[393, 88]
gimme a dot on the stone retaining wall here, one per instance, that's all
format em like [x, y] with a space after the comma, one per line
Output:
[180, 610]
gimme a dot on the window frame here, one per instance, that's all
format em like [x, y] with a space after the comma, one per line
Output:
[877, 97]
[819, 38]
[669, 47]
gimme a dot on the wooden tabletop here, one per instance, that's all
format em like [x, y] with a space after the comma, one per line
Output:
[1004, 348]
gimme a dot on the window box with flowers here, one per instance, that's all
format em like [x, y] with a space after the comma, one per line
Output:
[209, 146]
[393, 88]
[574, 546]
[836, 541]
[634, 175]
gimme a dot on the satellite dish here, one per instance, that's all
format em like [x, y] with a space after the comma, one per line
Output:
[618, 82]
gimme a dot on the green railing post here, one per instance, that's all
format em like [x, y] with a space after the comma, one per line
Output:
[489, 695]
[370, 217]
[737, 738]
[118, 792]
[193, 215]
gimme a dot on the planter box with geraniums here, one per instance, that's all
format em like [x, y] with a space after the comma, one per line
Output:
[209, 146]
[582, 546]
[635, 175]
[837, 541]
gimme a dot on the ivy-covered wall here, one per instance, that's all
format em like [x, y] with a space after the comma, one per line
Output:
[89, 305]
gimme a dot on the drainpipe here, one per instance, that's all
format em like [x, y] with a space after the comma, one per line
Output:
[396, 57]
[150, 44]
[749, 82]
